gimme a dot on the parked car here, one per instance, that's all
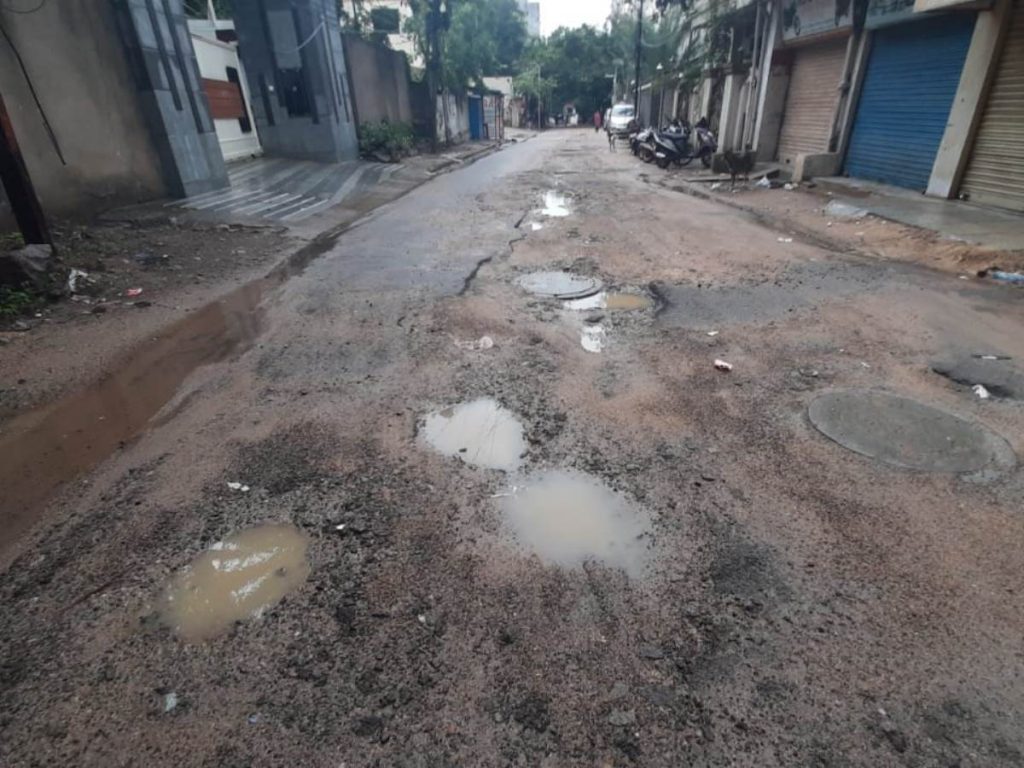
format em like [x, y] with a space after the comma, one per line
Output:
[618, 123]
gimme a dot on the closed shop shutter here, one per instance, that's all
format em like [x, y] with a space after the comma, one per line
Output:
[912, 76]
[811, 99]
[995, 174]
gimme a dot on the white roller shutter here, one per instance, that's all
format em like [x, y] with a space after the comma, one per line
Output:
[812, 99]
[995, 173]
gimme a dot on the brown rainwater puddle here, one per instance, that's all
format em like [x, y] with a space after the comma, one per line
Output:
[569, 519]
[49, 446]
[235, 579]
[612, 300]
[480, 432]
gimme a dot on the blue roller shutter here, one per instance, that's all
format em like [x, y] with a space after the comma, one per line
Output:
[911, 80]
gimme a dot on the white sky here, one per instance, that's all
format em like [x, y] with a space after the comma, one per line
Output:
[572, 13]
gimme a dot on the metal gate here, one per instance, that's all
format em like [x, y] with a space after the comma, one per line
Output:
[911, 80]
[812, 99]
[995, 174]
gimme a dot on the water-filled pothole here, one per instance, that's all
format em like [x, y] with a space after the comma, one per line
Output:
[555, 204]
[559, 285]
[615, 301]
[568, 519]
[906, 433]
[480, 432]
[235, 579]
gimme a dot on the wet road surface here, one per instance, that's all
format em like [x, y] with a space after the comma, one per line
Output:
[335, 526]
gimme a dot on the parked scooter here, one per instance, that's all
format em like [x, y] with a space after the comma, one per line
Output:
[641, 144]
[674, 144]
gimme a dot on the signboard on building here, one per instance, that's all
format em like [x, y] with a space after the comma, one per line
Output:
[809, 18]
[882, 12]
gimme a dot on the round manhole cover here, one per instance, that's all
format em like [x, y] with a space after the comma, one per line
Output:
[906, 433]
[559, 285]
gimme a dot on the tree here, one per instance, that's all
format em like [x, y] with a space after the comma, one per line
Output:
[476, 38]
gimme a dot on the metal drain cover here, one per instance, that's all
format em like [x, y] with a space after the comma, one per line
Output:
[559, 285]
[906, 433]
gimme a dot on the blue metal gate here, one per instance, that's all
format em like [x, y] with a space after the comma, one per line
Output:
[476, 118]
[911, 80]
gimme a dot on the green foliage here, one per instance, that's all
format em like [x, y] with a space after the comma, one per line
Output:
[385, 139]
[477, 38]
[16, 301]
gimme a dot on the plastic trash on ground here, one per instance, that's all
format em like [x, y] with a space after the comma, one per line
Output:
[721, 365]
[981, 392]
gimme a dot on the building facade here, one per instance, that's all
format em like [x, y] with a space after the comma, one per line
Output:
[927, 95]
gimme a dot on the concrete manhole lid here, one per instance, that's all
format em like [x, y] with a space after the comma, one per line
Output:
[906, 433]
[559, 285]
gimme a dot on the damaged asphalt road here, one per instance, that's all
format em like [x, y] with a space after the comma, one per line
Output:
[727, 586]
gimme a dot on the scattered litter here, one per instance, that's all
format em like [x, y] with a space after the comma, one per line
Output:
[592, 338]
[991, 357]
[864, 364]
[716, 185]
[721, 365]
[840, 210]
[980, 391]
[965, 277]
[484, 342]
[133, 292]
[789, 187]
[712, 333]
[785, 239]
[536, 225]
[73, 277]
[1007, 277]
[422, 619]
[238, 487]
[340, 527]
[254, 719]
[763, 183]
[170, 701]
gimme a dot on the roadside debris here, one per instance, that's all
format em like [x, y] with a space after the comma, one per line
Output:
[839, 210]
[170, 701]
[73, 277]
[238, 487]
[712, 333]
[980, 391]
[996, 273]
[721, 365]
[484, 342]
[133, 292]
[592, 338]
[789, 187]
[536, 226]
[785, 239]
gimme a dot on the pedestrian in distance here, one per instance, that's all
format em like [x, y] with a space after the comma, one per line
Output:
[597, 121]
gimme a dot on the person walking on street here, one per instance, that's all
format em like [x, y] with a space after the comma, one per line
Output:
[597, 121]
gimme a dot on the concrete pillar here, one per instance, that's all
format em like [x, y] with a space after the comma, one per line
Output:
[771, 96]
[854, 83]
[705, 96]
[732, 99]
[296, 67]
[969, 102]
[159, 48]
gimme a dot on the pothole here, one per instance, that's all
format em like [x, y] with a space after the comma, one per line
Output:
[556, 204]
[615, 301]
[479, 432]
[236, 579]
[907, 434]
[569, 519]
[559, 285]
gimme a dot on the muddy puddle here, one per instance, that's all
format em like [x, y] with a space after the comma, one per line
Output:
[569, 519]
[614, 301]
[236, 579]
[481, 433]
[556, 204]
[44, 448]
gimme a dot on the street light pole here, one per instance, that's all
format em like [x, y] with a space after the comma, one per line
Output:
[636, 86]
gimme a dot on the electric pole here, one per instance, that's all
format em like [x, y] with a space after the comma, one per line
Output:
[636, 83]
[433, 24]
[28, 213]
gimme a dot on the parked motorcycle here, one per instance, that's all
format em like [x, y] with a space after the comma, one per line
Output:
[641, 144]
[674, 144]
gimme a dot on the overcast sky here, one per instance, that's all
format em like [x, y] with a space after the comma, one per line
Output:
[572, 13]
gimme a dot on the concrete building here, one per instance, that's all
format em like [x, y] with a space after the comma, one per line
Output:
[925, 95]
[531, 11]
[401, 41]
